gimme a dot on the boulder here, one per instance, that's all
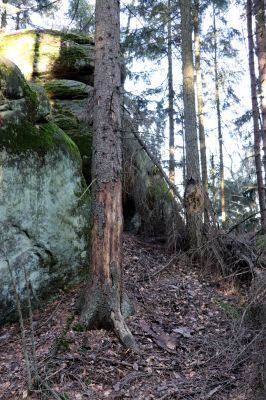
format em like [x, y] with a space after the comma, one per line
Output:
[67, 89]
[69, 115]
[149, 206]
[44, 205]
[48, 54]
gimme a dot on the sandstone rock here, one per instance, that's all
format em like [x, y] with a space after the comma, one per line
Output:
[44, 205]
[48, 54]
[67, 89]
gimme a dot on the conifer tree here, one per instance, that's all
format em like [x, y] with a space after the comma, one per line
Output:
[104, 293]
[193, 187]
[255, 117]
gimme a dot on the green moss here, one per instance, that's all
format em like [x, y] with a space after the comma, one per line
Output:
[261, 242]
[26, 137]
[230, 310]
[79, 132]
[14, 86]
[79, 327]
[78, 38]
[71, 55]
[32, 101]
[157, 191]
[65, 88]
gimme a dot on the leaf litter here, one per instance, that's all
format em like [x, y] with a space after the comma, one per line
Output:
[187, 339]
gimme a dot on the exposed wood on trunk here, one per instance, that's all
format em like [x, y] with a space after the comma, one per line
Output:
[170, 97]
[255, 117]
[259, 10]
[219, 122]
[104, 294]
[194, 199]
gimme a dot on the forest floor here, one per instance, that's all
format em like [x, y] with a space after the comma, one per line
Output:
[184, 322]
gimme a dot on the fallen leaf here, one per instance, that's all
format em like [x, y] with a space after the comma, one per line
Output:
[184, 331]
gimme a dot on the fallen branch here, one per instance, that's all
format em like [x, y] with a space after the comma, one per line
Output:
[158, 165]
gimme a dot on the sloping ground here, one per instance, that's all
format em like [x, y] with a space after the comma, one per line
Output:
[184, 324]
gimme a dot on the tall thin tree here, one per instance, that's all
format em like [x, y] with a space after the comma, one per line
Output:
[200, 102]
[193, 188]
[255, 115]
[219, 119]
[170, 95]
[259, 10]
[104, 294]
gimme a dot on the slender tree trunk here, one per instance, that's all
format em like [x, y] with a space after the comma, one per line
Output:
[104, 294]
[4, 16]
[17, 21]
[170, 97]
[194, 199]
[213, 185]
[255, 115]
[259, 10]
[219, 122]
[201, 113]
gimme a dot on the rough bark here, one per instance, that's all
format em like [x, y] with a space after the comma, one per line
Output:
[194, 199]
[259, 10]
[170, 97]
[255, 117]
[200, 102]
[219, 122]
[104, 294]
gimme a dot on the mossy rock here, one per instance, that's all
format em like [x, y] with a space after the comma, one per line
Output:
[146, 194]
[79, 132]
[25, 138]
[67, 89]
[47, 54]
[43, 105]
[17, 100]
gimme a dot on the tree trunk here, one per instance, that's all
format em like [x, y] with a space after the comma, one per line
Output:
[104, 294]
[194, 199]
[4, 16]
[255, 115]
[259, 10]
[219, 122]
[213, 184]
[17, 21]
[170, 97]
[201, 113]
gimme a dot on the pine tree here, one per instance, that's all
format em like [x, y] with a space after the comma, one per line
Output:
[259, 10]
[81, 16]
[255, 115]
[104, 294]
[200, 102]
[193, 188]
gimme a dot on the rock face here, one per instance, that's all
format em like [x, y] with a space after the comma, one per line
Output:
[149, 205]
[69, 101]
[48, 54]
[44, 209]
